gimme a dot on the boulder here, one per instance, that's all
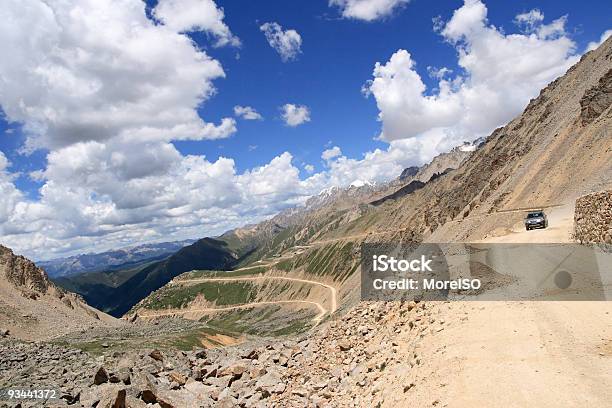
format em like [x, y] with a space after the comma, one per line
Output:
[101, 376]
[270, 383]
[156, 355]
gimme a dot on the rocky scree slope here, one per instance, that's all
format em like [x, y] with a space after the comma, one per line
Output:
[363, 359]
[34, 308]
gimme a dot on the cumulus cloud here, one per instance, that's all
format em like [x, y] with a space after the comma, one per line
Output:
[196, 15]
[247, 113]
[9, 193]
[295, 115]
[530, 20]
[287, 43]
[97, 196]
[502, 72]
[331, 153]
[97, 69]
[367, 10]
[378, 165]
[594, 44]
[78, 86]
[105, 90]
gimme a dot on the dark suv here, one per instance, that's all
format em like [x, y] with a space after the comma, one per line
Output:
[536, 219]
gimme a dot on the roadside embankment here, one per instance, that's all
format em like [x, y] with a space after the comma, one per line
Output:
[593, 218]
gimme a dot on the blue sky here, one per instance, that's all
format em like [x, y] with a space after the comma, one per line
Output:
[336, 59]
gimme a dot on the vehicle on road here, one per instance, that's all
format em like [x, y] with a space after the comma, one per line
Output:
[535, 219]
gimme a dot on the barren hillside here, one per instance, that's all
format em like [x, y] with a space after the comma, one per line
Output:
[33, 308]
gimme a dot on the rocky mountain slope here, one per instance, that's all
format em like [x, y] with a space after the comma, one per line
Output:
[360, 192]
[344, 364]
[557, 150]
[444, 162]
[378, 354]
[32, 307]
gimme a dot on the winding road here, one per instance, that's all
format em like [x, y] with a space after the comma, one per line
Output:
[317, 319]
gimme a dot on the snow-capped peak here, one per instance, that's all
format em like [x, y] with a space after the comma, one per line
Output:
[467, 147]
[328, 191]
[360, 183]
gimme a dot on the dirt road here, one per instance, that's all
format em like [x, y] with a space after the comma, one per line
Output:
[333, 300]
[174, 312]
[333, 292]
[520, 354]
[560, 227]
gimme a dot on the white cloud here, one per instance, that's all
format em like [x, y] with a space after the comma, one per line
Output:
[287, 43]
[309, 168]
[530, 20]
[379, 165]
[100, 196]
[295, 115]
[9, 193]
[105, 90]
[331, 153]
[195, 15]
[97, 69]
[247, 113]
[367, 10]
[501, 74]
[594, 44]
[4, 163]
[439, 73]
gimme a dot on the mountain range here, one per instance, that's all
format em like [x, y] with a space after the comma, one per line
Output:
[109, 282]
[119, 258]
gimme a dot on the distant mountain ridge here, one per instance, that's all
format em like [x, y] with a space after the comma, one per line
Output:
[116, 291]
[119, 258]
[411, 179]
